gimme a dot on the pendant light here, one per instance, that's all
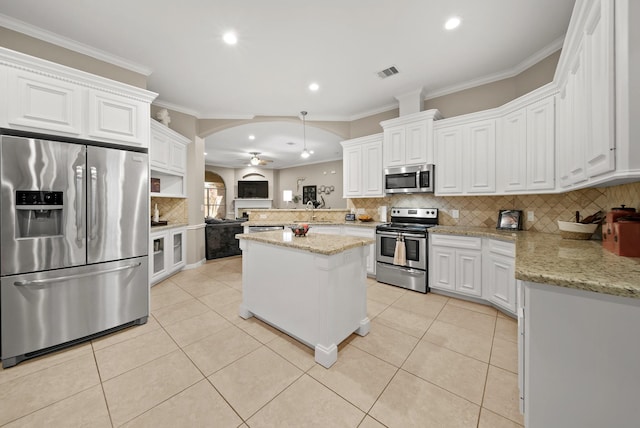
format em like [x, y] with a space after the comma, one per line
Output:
[305, 153]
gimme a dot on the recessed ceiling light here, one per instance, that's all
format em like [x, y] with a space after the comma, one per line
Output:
[452, 23]
[230, 38]
[252, 137]
[314, 87]
[205, 153]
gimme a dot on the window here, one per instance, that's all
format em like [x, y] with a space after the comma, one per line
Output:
[214, 200]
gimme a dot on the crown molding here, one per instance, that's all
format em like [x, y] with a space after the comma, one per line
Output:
[47, 36]
[505, 74]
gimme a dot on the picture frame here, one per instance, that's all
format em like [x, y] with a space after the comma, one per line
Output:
[309, 193]
[509, 220]
[155, 185]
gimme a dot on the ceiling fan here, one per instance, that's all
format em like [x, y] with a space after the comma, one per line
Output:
[256, 161]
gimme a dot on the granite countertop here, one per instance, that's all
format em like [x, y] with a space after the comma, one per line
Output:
[548, 259]
[155, 229]
[315, 243]
[369, 224]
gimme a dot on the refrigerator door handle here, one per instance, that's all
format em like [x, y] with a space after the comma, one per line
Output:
[79, 275]
[79, 203]
[94, 211]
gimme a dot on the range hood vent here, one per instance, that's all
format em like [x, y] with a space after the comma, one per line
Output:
[411, 102]
[388, 72]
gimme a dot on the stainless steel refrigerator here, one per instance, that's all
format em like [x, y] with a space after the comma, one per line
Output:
[74, 242]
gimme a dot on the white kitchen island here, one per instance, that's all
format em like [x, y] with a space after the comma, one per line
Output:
[313, 288]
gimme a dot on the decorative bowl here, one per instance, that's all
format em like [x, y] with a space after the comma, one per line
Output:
[300, 229]
[570, 230]
[365, 218]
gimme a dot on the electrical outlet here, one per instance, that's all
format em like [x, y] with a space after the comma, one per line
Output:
[530, 216]
[263, 216]
[455, 213]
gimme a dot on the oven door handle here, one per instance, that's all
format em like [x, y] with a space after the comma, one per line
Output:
[399, 234]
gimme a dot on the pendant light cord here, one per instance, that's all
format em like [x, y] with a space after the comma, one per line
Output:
[304, 129]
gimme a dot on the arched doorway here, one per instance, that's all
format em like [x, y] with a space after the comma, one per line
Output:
[215, 195]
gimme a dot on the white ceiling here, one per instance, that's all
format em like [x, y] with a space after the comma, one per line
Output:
[284, 45]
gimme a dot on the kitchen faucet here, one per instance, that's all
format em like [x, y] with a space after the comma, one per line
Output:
[312, 206]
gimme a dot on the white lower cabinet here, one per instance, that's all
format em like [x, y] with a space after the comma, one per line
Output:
[499, 281]
[456, 264]
[579, 357]
[362, 232]
[365, 233]
[482, 268]
[167, 253]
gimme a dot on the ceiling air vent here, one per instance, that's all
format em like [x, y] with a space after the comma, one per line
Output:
[388, 72]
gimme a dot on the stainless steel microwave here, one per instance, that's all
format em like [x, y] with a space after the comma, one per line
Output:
[409, 179]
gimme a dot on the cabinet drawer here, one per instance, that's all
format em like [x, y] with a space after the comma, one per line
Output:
[501, 247]
[456, 241]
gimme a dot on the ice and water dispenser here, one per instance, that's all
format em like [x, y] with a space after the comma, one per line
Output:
[38, 214]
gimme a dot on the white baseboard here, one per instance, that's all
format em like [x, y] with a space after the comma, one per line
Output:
[195, 265]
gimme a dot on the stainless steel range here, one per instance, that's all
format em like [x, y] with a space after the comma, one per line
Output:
[401, 246]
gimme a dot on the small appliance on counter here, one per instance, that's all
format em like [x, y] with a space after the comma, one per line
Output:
[621, 232]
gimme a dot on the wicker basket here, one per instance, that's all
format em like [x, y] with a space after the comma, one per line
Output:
[569, 230]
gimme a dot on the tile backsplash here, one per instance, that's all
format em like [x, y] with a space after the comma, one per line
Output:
[174, 210]
[482, 211]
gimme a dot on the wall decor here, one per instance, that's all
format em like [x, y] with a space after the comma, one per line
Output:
[309, 193]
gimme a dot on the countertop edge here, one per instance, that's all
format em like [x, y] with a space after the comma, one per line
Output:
[155, 229]
[303, 244]
[539, 259]
[364, 224]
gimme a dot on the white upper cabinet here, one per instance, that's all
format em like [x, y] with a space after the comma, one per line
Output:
[512, 152]
[178, 157]
[541, 145]
[118, 119]
[42, 103]
[526, 149]
[408, 139]
[466, 158]
[168, 160]
[480, 157]
[599, 85]
[597, 111]
[45, 97]
[395, 146]
[449, 148]
[362, 167]
[168, 149]
[160, 152]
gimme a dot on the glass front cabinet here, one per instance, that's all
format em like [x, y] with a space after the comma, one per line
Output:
[168, 253]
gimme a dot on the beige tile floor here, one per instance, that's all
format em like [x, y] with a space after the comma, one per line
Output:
[429, 361]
